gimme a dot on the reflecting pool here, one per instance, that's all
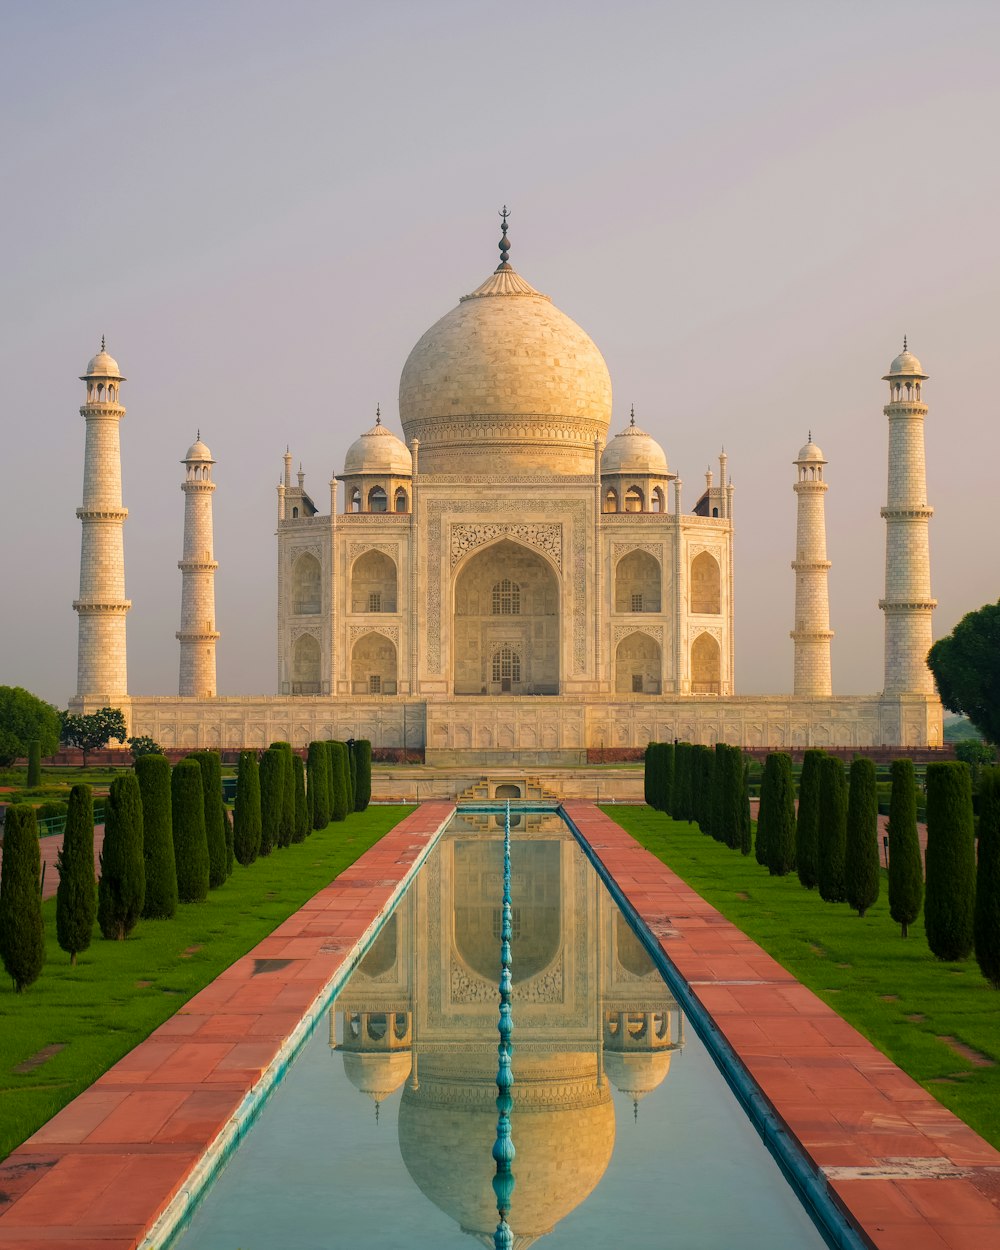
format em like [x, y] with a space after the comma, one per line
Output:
[380, 1135]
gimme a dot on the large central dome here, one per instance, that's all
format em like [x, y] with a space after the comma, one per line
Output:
[505, 383]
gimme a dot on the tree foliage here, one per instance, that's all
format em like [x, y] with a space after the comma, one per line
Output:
[363, 781]
[153, 774]
[22, 931]
[272, 798]
[215, 818]
[727, 794]
[121, 890]
[34, 777]
[246, 812]
[746, 823]
[807, 820]
[906, 863]
[832, 830]
[966, 668]
[187, 808]
[25, 718]
[143, 745]
[950, 895]
[286, 824]
[76, 894]
[338, 755]
[92, 731]
[861, 862]
[986, 920]
[303, 825]
[779, 838]
[318, 792]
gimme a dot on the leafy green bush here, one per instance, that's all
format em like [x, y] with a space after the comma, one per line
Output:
[318, 793]
[338, 754]
[34, 763]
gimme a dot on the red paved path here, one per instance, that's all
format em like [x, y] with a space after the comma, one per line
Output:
[99, 1173]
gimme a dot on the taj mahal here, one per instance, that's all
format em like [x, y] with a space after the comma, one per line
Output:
[510, 580]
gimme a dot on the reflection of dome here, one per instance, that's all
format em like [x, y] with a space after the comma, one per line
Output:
[378, 450]
[633, 451]
[198, 451]
[377, 1074]
[563, 1128]
[103, 365]
[637, 1073]
[810, 452]
[510, 380]
[906, 363]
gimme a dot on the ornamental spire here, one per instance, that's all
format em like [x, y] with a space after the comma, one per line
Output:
[504, 243]
[378, 414]
[632, 416]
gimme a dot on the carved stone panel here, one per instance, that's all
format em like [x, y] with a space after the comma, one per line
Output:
[545, 536]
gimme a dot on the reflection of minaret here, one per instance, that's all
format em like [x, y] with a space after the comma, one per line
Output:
[812, 631]
[102, 670]
[197, 633]
[907, 604]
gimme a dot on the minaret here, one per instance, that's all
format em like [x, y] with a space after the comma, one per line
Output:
[812, 631]
[907, 604]
[102, 671]
[197, 633]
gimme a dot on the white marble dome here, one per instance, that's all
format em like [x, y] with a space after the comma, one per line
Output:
[811, 453]
[198, 451]
[505, 382]
[634, 451]
[906, 363]
[378, 450]
[103, 365]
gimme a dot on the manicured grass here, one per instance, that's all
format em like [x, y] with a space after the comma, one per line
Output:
[893, 991]
[120, 991]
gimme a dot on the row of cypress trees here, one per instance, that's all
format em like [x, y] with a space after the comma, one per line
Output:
[696, 783]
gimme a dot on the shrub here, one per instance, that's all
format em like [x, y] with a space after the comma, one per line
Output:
[363, 789]
[22, 931]
[187, 804]
[318, 793]
[666, 777]
[339, 757]
[143, 745]
[246, 814]
[832, 830]
[272, 798]
[906, 864]
[350, 774]
[727, 817]
[682, 781]
[51, 809]
[287, 824]
[227, 820]
[705, 771]
[780, 839]
[34, 763]
[328, 744]
[950, 899]
[153, 774]
[986, 919]
[121, 890]
[807, 821]
[302, 825]
[76, 894]
[650, 782]
[215, 821]
[746, 824]
[861, 863]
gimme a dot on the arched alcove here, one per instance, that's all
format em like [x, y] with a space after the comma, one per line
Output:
[638, 665]
[373, 583]
[706, 584]
[706, 665]
[373, 665]
[306, 585]
[506, 623]
[637, 583]
[306, 665]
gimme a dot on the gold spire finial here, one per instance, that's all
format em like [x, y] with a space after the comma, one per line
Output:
[504, 243]
[378, 414]
[632, 416]
[905, 348]
[102, 342]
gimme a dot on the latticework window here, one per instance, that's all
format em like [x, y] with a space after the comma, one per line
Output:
[506, 598]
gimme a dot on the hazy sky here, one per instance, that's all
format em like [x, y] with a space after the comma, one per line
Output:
[265, 205]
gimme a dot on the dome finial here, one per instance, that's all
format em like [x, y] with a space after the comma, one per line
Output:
[810, 438]
[102, 343]
[197, 437]
[632, 416]
[504, 243]
[378, 414]
[905, 348]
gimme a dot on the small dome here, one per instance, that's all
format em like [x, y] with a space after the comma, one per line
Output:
[198, 451]
[810, 452]
[634, 451]
[377, 1073]
[103, 365]
[906, 364]
[378, 450]
[637, 1073]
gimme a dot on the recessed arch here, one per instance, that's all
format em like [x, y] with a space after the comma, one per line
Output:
[706, 584]
[611, 500]
[635, 500]
[306, 585]
[638, 665]
[373, 665]
[706, 665]
[637, 583]
[378, 501]
[373, 583]
[401, 500]
[307, 664]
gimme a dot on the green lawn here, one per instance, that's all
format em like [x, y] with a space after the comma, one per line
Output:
[120, 991]
[893, 991]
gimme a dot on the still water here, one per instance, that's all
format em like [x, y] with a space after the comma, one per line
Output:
[380, 1134]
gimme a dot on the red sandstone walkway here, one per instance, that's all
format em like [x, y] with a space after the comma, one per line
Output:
[99, 1173]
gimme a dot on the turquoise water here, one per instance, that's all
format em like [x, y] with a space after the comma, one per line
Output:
[380, 1134]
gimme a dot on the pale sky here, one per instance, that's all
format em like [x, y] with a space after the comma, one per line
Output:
[263, 206]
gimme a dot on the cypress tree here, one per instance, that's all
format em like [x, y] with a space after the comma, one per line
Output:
[76, 895]
[328, 744]
[34, 763]
[121, 890]
[227, 817]
[861, 866]
[302, 825]
[764, 815]
[706, 784]
[781, 830]
[246, 813]
[950, 899]
[666, 777]
[746, 824]
[153, 774]
[832, 830]
[272, 798]
[650, 782]
[680, 787]
[986, 921]
[718, 804]
[22, 930]
[906, 863]
[729, 772]
[287, 825]
[363, 755]
[351, 775]
[807, 821]
[319, 795]
[187, 810]
[215, 821]
[339, 755]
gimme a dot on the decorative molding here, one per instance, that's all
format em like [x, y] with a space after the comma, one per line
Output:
[547, 987]
[545, 536]
[653, 631]
[696, 549]
[622, 549]
[358, 631]
[358, 549]
[296, 632]
[305, 549]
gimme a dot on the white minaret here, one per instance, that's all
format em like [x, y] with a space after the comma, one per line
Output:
[907, 604]
[101, 670]
[197, 633]
[812, 632]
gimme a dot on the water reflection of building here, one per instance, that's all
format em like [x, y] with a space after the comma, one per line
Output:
[590, 1011]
